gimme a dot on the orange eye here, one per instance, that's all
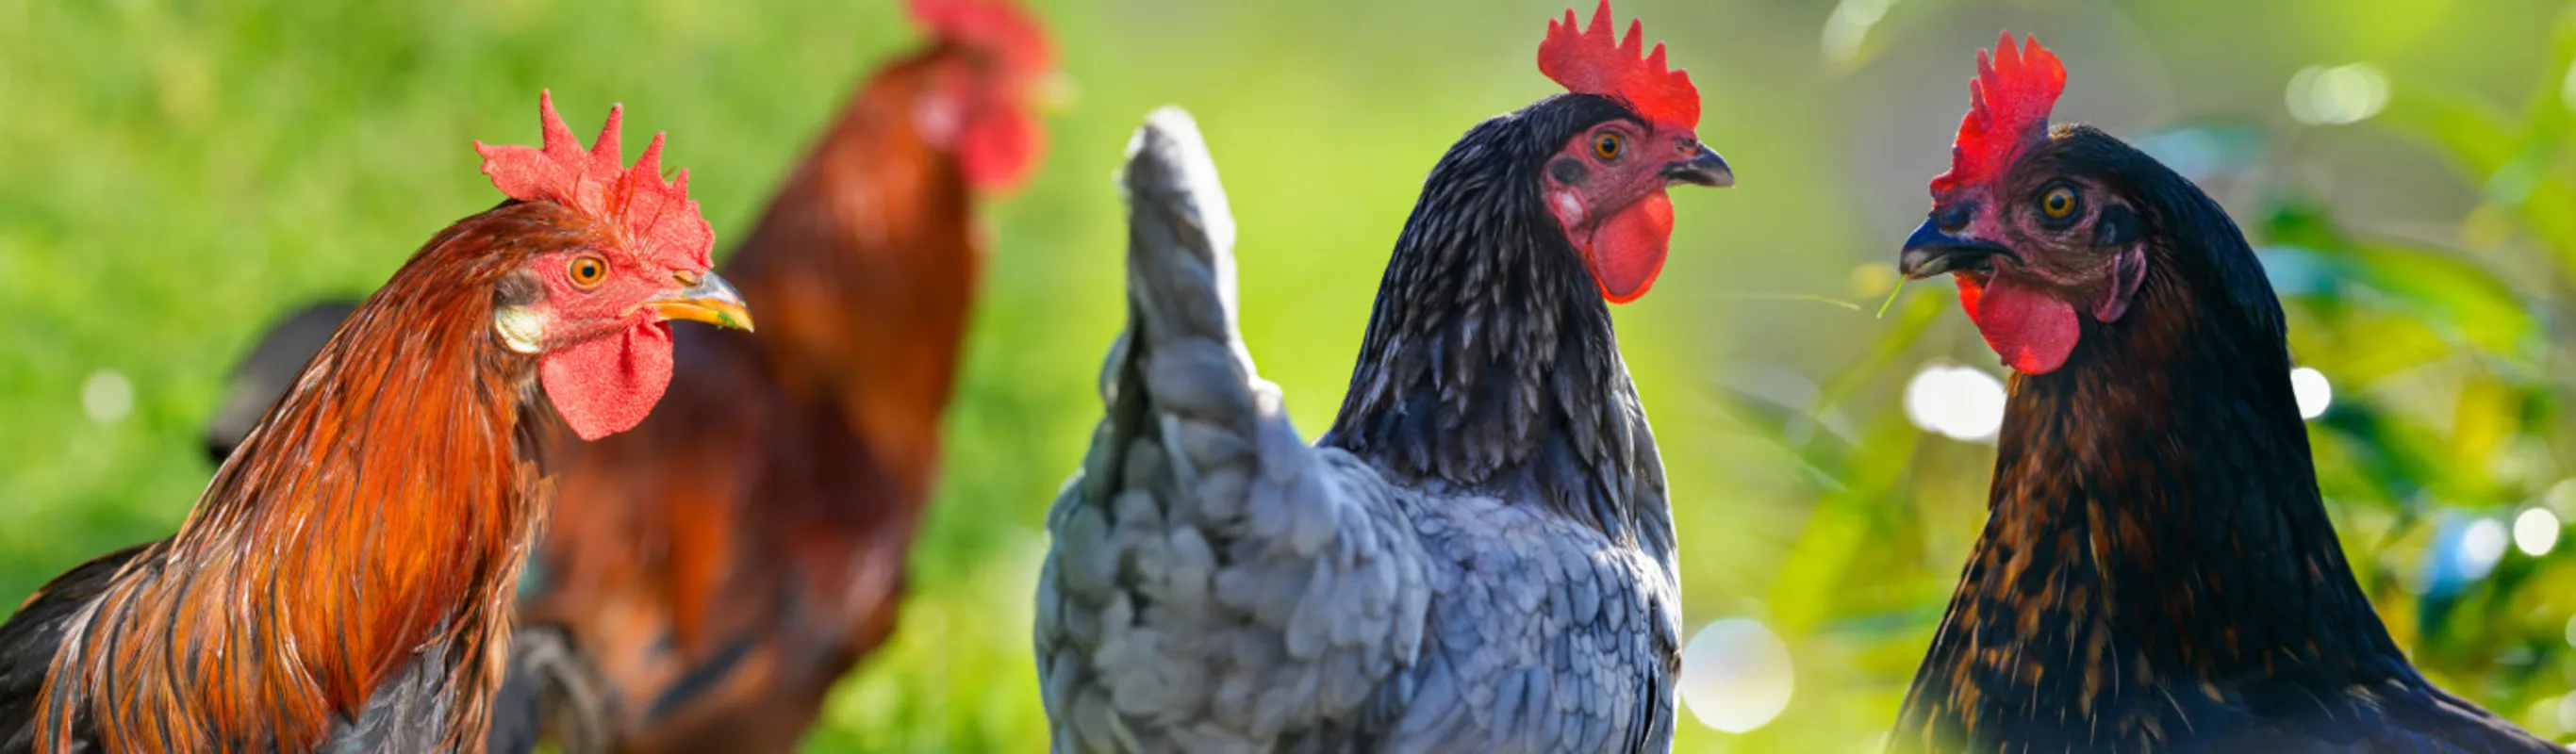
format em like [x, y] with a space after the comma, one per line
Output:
[586, 270]
[1608, 146]
[2058, 203]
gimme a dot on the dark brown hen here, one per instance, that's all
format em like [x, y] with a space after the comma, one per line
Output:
[2158, 571]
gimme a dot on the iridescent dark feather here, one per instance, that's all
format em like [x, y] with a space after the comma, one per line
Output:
[2158, 571]
[1485, 329]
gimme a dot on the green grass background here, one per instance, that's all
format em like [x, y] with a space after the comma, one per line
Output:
[175, 175]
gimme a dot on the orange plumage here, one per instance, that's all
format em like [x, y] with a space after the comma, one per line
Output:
[712, 573]
[345, 578]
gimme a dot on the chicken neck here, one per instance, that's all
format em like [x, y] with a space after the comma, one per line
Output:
[1490, 363]
[375, 519]
[865, 266]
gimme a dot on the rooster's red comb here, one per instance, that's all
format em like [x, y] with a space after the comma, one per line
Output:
[2008, 108]
[998, 27]
[1594, 61]
[655, 219]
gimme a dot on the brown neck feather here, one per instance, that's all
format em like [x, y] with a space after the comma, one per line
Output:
[346, 539]
[2156, 538]
[864, 267]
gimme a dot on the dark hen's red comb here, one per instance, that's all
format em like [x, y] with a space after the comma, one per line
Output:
[999, 28]
[2008, 107]
[1592, 61]
[658, 219]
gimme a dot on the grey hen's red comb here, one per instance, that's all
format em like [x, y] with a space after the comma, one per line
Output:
[1594, 61]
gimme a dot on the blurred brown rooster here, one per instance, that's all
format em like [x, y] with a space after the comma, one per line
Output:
[345, 581]
[710, 575]
[2158, 572]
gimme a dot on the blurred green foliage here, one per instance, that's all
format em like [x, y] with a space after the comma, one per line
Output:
[174, 175]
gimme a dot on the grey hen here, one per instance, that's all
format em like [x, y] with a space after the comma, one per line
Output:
[1479, 555]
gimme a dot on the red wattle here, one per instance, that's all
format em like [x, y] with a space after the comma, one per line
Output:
[2033, 331]
[1628, 248]
[607, 385]
[998, 147]
[1968, 292]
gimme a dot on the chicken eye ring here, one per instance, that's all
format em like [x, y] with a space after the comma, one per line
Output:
[586, 270]
[1608, 146]
[2058, 202]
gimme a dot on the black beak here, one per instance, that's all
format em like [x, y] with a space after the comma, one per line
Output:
[1931, 251]
[1702, 169]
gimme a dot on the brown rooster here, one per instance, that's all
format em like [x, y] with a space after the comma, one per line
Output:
[709, 576]
[2158, 572]
[344, 582]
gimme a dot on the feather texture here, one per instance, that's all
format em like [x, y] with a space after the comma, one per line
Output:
[1218, 585]
[709, 575]
[2158, 571]
[344, 579]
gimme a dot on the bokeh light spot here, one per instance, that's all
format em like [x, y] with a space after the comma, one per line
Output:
[1736, 675]
[2314, 394]
[1962, 403]
[2567, 92]
[107, 396]
[1849, 26]
[2480, 547]
[1872, 279]
[2322, 96]
[2535, 532]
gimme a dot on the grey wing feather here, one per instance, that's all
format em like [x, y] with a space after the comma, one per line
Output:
[1546, 636]
[1215, 584]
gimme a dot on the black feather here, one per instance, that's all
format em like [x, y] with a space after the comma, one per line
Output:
[1490, 362]
[30, 639]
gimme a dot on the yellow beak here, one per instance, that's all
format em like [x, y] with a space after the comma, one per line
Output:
[707, 299]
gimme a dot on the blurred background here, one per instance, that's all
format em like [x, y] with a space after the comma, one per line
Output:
[175, 176]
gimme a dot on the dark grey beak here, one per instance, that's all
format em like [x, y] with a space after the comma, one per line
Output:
[1702, 169]
[1931, 251]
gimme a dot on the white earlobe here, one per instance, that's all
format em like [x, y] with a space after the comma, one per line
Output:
[522, 329]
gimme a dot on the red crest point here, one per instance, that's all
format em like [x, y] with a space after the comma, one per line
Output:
[999, 28]
[657, 220]
[1594, 61]
[2008, 106]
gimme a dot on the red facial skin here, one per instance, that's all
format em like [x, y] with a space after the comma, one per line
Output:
[1614, 209]
[608, 351]
[2026, 302]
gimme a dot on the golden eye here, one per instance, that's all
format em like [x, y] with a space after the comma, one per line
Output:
[2058, 203]
[586, 270]
[1608, 146]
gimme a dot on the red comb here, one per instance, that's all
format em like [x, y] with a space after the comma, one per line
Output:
[999, 28]
[658, 219]
[1592, 61]
[2008, 107]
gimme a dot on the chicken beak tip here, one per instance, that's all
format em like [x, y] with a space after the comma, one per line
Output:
[711, 300]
